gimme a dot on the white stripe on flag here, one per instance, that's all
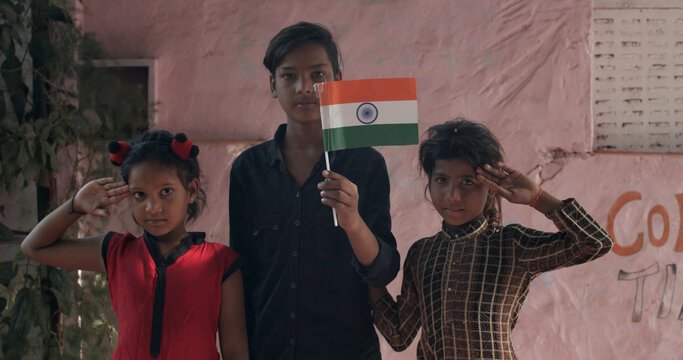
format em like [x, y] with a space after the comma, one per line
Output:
[388, 112]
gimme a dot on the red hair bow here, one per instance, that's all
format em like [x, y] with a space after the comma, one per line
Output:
[118, 150]
[183, 148]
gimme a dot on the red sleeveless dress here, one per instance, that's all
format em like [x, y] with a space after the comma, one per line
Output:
[166, 308]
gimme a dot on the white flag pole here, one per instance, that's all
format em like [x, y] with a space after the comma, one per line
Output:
[319, 88]
[334, 212]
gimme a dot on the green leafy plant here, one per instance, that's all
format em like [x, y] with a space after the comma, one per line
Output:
[51, 99]
[40, 116]
[82, 312]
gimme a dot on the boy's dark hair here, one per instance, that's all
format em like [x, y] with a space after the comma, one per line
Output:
[156, 146]
[466, 140]
[297, 35]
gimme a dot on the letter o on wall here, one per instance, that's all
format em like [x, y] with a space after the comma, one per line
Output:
[659, 209]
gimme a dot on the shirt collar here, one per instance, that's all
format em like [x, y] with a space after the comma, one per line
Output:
[194, 238]
[275, 152]
[275, 149]
[472, 228]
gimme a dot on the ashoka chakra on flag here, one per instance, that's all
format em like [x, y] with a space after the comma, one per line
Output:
[366, 113]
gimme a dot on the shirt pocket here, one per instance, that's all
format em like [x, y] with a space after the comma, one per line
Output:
[328, 238]
[267, 236]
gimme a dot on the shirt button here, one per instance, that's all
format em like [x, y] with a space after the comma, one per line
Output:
[292, 315]
[449, 289]
[255, 232]
[298, 194]
[295, 253]
[296, 223]
[275, 227]
[293, 285]
[291, 341]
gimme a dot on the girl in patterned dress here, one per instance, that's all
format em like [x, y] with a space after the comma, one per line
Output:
[464, 286]
[172, 291]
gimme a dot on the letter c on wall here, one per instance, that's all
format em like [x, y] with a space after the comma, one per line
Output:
[617, 248]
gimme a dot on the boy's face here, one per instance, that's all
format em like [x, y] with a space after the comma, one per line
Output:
[293, 82]
[456, 193]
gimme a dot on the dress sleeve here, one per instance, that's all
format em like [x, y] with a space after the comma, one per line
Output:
[375, 210]
[580, 239]
[398, 321]
[105, 248]
[233, 261]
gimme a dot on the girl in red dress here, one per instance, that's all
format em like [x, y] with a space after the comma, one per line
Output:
[172, 290]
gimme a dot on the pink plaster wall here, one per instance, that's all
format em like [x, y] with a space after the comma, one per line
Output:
[520, 67]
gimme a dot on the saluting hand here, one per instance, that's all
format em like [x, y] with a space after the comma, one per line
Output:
[511, 184]
[95, 196]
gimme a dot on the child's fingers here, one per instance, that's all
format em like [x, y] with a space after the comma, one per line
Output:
[494, 186]
[487, 181]
[332, 177]
[121, 189]
[114, 185]
[338, 192]
[329, 184]
[337, 196]
[105, 181]
[118, 197]
[497, 172]
[329, 174]
[332, 180]
[484, 173]
[336, 181]
[98, 186]
[100, 212]
[506, 168]
[330, 202]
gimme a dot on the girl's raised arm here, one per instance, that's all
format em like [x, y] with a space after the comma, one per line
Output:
[43, 243]
[232, 328]
[580, 239]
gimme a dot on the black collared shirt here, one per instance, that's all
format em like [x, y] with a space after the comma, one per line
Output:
[306, 293]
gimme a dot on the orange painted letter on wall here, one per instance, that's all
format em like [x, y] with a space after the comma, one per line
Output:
[617, 248]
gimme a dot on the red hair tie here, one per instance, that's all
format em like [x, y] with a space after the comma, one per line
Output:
[118, 150]
[183, 148]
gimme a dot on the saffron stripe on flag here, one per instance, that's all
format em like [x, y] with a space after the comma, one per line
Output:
[357, 91]
[369, 135]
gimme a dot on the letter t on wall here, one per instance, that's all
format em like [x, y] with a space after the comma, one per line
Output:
[639, 277]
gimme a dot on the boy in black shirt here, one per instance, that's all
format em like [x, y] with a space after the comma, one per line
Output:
[306, 281]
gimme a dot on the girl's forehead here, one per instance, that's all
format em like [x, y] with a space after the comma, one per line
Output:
[453, 166]
[153, 171]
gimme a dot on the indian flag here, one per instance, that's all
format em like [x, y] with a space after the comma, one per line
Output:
[371, 112]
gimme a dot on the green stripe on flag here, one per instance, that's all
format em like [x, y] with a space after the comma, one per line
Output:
[370, 135]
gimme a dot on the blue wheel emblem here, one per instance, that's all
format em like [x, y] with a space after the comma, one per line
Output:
[366, 113]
